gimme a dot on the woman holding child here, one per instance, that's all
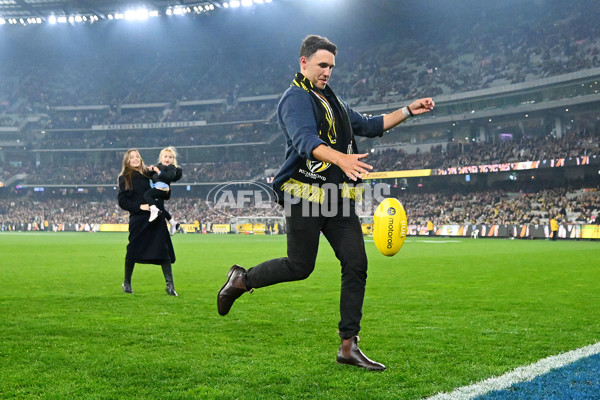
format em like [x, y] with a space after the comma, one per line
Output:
[149, 241]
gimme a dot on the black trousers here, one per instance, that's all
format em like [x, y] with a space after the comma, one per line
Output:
[151, 194]
[344, 234]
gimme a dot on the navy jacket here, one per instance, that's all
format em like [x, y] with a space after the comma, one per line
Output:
[298, 116]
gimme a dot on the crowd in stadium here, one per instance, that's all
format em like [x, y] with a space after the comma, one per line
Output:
[474, 57]
[574, 144]
[499, 207]
[115, 139]
[484, 207]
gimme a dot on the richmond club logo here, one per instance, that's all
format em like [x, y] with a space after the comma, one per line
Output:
[317, 166]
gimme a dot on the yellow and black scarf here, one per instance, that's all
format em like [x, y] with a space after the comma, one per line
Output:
[337, 133]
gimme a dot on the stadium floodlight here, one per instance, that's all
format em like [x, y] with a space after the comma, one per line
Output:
[131, 14]
[179, 10]
[139, 14]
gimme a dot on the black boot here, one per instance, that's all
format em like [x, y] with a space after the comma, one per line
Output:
[350, 354]
[127, 280]
[168, 273]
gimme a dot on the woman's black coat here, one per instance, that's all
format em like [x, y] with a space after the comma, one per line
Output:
[149, 242]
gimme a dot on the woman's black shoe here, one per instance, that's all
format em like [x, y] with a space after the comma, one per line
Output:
[171, 290]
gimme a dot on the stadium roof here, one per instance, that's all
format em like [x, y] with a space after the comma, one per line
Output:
[41, 10]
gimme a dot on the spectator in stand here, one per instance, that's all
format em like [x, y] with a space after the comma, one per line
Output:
[430, 227]
[554, 227]
[149, 242]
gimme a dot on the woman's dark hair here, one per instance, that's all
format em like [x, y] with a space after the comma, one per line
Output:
[127, 171]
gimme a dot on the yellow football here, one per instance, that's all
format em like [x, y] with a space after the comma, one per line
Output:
[389, 226]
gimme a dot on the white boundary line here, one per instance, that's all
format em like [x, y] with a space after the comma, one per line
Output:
[520, 374]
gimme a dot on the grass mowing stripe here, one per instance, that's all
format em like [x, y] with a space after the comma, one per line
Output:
[519, 375]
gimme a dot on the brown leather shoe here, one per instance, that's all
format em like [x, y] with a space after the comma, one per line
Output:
[353, 356]
[231, 290]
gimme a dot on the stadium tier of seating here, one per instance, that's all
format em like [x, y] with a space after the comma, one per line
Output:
[486, 207]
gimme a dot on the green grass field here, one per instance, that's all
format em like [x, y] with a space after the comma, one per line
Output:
[440, 314]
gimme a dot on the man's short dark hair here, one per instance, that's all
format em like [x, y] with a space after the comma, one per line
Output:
[312, 43]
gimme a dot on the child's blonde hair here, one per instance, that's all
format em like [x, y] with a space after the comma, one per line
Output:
[173, 151]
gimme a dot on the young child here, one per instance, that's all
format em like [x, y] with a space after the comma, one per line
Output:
[165, 172]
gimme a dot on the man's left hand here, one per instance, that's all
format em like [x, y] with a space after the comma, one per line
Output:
[422, 106]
